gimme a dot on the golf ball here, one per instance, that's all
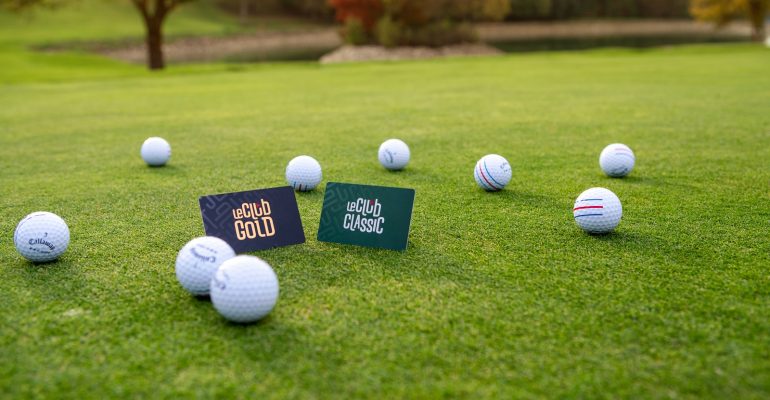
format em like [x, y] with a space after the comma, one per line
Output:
[617, 160]
[156, 151]
[41, 237]
[492, 172]
[244, 289]
[197, 262]
[303, 173]
[393, 154]
[597, 210]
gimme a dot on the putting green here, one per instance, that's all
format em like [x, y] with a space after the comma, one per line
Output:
[498, 295]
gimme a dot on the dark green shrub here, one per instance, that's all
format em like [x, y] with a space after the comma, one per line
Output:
[355, 33]
[421, 22]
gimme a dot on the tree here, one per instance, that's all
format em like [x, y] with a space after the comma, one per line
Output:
[724, 11]
[153, 12]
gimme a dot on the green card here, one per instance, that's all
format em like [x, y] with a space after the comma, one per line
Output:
[371, 216]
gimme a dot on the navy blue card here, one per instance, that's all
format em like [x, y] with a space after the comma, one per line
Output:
[253, 220]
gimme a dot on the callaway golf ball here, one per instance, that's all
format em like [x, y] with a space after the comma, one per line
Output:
[617, 160]
[492, 172]
[597, 210]
[41, 236]
[393, 154]
[156, 151]
[244, 289]
[197, 262]
[303, 173]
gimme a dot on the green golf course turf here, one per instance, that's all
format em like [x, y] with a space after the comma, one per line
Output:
[498, 295]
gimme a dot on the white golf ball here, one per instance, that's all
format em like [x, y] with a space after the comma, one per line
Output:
[393, 154]
[492, 172]
[617, 160]
[41, 237]
[244, 289]
[597, 210]
[156, 151]
[197, 262]
[303, 173]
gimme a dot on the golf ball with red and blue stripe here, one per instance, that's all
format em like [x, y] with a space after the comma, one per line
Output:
[617, 160]
[492, 172]
[597, 210]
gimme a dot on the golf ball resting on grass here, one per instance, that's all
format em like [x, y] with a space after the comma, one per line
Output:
[303, 173]
[41, 236]
[244, 289]
[156, 151]
[197, 262]
[597, 210]
[617, 160]
[393, 154]
[492, 172]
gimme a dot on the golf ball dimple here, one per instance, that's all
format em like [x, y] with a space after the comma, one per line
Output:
[41, 237]
[244, 289]
[492, 172]
[393, 154]
[597, 210]
[156, 151]
[303, 173]
[197, 262]
[617, 160]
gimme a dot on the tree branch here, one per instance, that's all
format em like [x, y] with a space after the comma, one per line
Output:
[141, 5]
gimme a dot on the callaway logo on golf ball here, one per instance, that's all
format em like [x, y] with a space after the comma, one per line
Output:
[597, 210]
[617, 160]
[393, 154]
[197, 262]
[244, 289]
[492, 172]
[156, 151]
[41, 237]
[303, 173]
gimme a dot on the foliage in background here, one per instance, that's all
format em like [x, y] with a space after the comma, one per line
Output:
[724, 11]
[575, 9]
[415, 23]
[245, 8]
[20, 5]
[518, 9]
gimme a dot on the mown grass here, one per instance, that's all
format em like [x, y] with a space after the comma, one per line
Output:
[498, 295]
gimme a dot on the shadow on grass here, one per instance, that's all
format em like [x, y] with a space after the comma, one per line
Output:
[647, 181]
[59, 279]
[168, 169]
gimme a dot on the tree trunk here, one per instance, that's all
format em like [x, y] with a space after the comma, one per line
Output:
[244, 11]
[757, 12]
[155, 59]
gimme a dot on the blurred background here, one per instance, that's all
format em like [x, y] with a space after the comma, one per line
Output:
[156, 33]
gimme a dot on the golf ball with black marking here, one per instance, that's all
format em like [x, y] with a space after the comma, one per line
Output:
[393, 154]
[303, 173]
[244, 289]
[156, 151]
[617, 160]
[41, 236]
[597, 210]
[197, 262]
[492, 172]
